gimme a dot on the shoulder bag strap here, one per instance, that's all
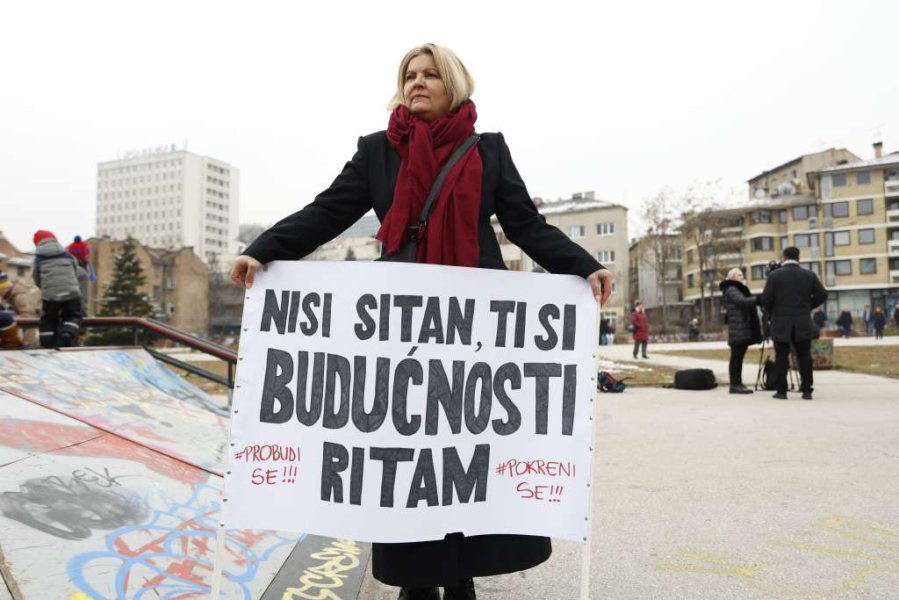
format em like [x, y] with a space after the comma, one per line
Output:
[416, 230]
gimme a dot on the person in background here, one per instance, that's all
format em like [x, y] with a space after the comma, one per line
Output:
[844, 322]
[392, 173]
[743, 327]
[694, 329]
[20, 299]
[10, 337]
[81, 250]
[640, 323]
[878, 322]
[790, 295]
[604, 332]
[610, 337]
[56, 273]
[867, 316]
[896, 316]
[819, 317]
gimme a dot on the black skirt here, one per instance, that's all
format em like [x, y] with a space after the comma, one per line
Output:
[448, 561]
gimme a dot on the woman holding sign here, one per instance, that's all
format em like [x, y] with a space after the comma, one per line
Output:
[393, 172]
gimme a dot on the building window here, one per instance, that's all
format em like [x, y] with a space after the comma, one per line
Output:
[758, 272]
[839, 209]
[866, 236]
[762, 244]
[760, 216]
[782, 216]
[839, 179]
[806, 240]
[605, 228]
[690, 280]
[689, 257]
[605, 256]
[814, 267]
[784, 241]
[863, 177]
[802, 213]
[864, 207]
[841, 238]
[839, 267]
[576, 231]
[867, 266]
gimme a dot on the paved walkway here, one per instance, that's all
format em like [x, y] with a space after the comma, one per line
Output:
[707, 495]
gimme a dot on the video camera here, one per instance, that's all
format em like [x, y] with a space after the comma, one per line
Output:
[772, 266]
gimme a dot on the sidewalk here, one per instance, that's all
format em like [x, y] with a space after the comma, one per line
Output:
[713, 496]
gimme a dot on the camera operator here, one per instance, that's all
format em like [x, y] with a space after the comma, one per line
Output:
[790, 294]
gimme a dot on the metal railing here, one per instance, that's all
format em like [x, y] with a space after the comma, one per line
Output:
[141, 327]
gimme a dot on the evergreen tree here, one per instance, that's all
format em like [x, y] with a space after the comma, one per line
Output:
[123, 298]
[350, 255]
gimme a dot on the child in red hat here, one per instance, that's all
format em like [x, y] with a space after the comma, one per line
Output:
[56, 273]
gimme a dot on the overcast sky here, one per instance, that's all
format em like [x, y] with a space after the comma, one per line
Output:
[617, 97]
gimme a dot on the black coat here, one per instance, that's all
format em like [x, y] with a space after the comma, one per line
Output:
[790, 294]
[742, 317]
[367, 182]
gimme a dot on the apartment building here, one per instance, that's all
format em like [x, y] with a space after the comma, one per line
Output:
[859, 237]
[598, 226]
[176, 282]
[844, 218]
[170, 198]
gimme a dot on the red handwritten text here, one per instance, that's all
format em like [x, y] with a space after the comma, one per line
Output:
[268, 453]
[549, 493]
[548, 468]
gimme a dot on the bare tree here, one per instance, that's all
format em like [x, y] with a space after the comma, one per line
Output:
[661, 246]
[717, 234]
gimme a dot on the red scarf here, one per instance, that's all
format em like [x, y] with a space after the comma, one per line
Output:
[451, 235]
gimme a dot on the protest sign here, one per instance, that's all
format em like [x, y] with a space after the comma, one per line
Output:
[396, 402]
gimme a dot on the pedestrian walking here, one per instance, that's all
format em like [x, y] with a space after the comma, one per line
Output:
[640, 325]
[844, 323]
[878, 322]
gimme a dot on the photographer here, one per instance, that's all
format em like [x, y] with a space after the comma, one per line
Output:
[790, 294]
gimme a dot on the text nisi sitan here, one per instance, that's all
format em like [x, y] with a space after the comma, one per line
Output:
[437, 324]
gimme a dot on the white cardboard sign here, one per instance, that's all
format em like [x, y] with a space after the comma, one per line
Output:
[401, 402]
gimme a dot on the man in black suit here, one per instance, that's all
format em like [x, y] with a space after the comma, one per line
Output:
[790, 294]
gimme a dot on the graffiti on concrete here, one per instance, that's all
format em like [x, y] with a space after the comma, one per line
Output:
[71, 507]
[126, 392]
[172, 554]
[323, 581]
[69, 440]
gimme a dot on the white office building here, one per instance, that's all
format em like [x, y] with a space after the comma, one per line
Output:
[170, 198]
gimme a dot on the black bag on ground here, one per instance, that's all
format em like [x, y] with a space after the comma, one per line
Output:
[408, 251]
[694, 379]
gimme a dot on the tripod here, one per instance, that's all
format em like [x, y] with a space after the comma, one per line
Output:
[792, 365]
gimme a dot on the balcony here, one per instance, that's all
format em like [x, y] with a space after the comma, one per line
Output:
[891, 187]
[893, 215]
[894, 276]
[893, 248]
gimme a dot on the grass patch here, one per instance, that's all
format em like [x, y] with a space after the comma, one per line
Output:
[870, 360]
[653, 376]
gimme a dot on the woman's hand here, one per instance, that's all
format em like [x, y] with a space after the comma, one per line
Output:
[244, 270]
[601, 282]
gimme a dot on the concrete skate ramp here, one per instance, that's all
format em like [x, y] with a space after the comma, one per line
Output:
[110, 488]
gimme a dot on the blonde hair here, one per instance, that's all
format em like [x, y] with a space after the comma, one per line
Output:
[458, 81]
[731, 275]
